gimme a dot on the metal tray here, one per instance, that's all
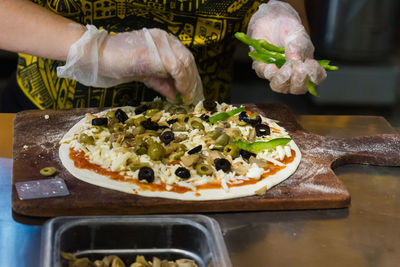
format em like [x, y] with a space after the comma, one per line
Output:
[169, 237]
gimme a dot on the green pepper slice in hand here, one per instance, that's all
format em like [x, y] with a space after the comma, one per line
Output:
[259, 146]
[270, 54]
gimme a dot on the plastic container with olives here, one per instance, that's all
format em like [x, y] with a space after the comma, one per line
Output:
[170, 237]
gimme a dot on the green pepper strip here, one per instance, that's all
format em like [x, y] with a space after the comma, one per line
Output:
[258, 44]
[224, 115]
[260, 146]
[270, 54]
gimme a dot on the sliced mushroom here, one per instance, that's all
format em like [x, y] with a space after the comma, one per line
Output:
[190, 160]
[260, 163]
[171, 147]
[186, 263]
[117, 262]
[252, 135]
[156, 117]
[241, 168]
[261, 191]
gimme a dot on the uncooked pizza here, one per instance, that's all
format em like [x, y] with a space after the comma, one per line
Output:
[210, 151]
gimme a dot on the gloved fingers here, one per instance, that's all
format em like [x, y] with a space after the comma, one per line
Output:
[316, 72]
[185, 74]
[263, 70]
[177, 62]
[280, 82]
[158, 50]
[298, 79]
[164, 86]
[298, 45]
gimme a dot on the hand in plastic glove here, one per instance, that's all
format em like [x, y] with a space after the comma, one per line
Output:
[151, 56]
[279, 24]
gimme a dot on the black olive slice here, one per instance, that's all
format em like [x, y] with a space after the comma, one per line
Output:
[222, 164]
[141, 109]
[256, 120]
[209, 104]
[172, 121]
[167, 137]
[147, 174]
[244, 117]
[150, 125]
[100, 122]
[121, 115]
[205, 117]
[183, 173]
[246, 154]
[195, 150]
[262, 129]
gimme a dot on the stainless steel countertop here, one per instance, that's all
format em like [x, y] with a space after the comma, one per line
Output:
[365, 234]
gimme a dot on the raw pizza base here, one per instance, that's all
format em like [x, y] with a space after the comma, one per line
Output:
[207, 194]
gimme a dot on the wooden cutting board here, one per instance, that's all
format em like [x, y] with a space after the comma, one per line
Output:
[313, 186]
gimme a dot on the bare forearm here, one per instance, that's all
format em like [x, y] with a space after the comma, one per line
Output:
[31, 29]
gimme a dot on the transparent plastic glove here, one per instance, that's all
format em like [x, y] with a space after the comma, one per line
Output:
[279, 24]
[151, 56]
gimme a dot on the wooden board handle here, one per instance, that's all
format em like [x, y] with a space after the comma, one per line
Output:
[383, 150]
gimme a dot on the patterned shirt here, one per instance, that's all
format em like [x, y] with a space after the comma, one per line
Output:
[206, 27]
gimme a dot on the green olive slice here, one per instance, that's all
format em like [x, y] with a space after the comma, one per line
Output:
[204, 169]
[48, 171]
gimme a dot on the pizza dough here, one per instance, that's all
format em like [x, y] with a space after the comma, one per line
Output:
[110, 158]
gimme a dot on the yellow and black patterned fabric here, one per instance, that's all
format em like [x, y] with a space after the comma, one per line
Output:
[206, 27]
